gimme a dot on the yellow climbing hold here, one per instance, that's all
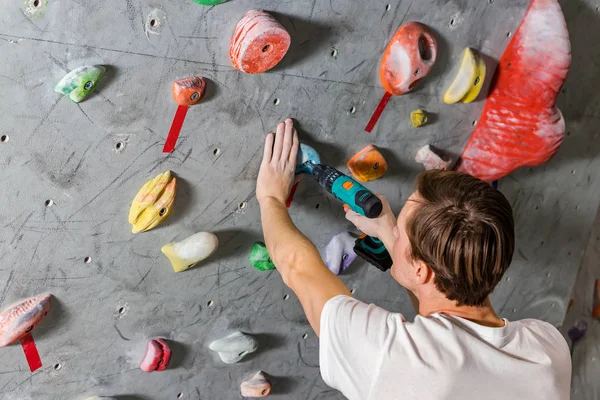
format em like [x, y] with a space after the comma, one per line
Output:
[418, 118]
[153, 203]
[467, 83]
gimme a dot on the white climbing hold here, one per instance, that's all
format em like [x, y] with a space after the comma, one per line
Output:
[430, 159]
[234, 347]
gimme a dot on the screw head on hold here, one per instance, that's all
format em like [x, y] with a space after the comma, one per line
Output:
[376, 165]
[345, 257]
[194, 96]
[88, 85]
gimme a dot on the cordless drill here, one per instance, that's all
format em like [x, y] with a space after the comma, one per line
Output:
[360, 200]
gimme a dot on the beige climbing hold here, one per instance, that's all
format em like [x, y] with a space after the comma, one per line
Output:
[153, 203]
[190, 251]
[418, 118]
[469, 80]
[257, 386]
[430, 159]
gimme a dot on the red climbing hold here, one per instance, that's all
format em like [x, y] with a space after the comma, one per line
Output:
[258, 43]
[520, 124]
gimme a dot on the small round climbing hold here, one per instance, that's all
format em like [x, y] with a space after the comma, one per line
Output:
[418, 118]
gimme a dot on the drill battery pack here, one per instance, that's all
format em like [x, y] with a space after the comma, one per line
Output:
[373, 251]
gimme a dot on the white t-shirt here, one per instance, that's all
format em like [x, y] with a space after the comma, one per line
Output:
[369, 353]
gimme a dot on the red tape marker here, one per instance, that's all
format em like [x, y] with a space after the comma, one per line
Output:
[375, 117]
[175, 129]
[288, 202]
[31, 353]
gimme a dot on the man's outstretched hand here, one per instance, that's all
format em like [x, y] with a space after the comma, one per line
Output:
[276, 175]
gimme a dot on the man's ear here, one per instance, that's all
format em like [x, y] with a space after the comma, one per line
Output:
[423, 274]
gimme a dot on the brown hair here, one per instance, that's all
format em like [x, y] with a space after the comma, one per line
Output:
[463, 229]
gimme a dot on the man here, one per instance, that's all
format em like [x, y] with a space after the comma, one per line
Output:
[451, 244]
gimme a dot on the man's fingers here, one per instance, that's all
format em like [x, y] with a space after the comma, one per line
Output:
[352, 216]
[288, 138]
[278, 142]
[268, 151]
[295, 146]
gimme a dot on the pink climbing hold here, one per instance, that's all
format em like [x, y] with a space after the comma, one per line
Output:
[520, 124]
[430, 159]
[157, 357]
[21, 318]
[257, 386]
[258, 43]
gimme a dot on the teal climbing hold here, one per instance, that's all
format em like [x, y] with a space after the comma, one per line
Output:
[78, 83]
[210, 2]
[259, 257]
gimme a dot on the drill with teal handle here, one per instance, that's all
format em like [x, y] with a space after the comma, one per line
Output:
[360, 200]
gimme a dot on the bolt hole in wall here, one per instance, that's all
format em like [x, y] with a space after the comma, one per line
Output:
[121, 310]
[48, 203]
[352, 110]
[388, 7]
[179, 395]
[242, 205]
[57, 366]
[119, 145]
[317, 206]
[474, 122]
[36, 3]
[305, 336]
[334, 53]
[276, 101]
[153, 22]
[4, 138]
[87, 260]
[286, 296]
[216, 152]
[452, 21]
[508, 34]
[210, 303]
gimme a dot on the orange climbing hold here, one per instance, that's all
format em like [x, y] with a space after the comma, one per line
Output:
[408, 58]
[258, 43]
[368, 164]
[189, 91]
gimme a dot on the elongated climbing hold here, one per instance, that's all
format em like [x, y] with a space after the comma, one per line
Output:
[258, 43]
[408, 58]
[469, 80]
[520, 124]
[259, 257]
[153, 203]
[79, 83]
[418, 118]
[430, 159]
[339, 253]
[232, 348]
[368, 164]
[190, 251]
[157, 356]
[257, 386]
[21, 318]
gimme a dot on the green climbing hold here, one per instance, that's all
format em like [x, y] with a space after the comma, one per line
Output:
[210, 2]
[78, 83]
[259, 257]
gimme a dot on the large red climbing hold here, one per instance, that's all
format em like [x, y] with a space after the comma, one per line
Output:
[258, 43]
[520, 124]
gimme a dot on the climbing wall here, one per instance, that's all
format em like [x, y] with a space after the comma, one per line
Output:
[70, 171]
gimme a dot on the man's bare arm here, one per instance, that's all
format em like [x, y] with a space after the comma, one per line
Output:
[295, 257]
[299, 262]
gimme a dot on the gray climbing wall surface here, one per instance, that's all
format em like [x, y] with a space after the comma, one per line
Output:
[87, 162]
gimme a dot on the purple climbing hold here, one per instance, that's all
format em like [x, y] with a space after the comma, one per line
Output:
[339, 252]
[578, 330]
